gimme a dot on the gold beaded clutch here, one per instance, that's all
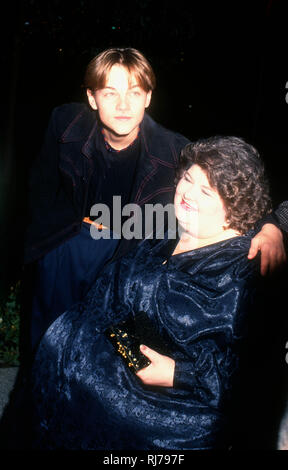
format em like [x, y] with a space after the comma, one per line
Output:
[127, 337]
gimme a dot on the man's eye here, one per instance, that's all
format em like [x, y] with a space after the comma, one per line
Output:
[109, 93]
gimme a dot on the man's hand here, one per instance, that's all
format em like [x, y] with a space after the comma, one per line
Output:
[270, 242]
[161, 370]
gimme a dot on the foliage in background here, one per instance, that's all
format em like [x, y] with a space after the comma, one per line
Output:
[9, 327]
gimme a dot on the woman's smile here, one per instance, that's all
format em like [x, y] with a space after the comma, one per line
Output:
[188, 206]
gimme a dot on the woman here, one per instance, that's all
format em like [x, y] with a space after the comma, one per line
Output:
[196, 289]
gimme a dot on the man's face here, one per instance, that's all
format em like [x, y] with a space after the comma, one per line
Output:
[121, 105]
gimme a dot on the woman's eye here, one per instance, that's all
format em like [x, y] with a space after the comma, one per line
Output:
[187, 178]
[207, 193]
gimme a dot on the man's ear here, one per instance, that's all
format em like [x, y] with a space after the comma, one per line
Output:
[91, 99]
[148, 98]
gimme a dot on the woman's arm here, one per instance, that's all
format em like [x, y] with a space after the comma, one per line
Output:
[206, 376]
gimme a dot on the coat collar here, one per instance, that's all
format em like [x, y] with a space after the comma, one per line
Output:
[156, 152]
[157, 143]
[85, 124]
[81, 125]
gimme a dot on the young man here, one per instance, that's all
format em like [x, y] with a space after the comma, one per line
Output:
[90, 154]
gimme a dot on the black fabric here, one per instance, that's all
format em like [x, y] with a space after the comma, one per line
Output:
[113, 175]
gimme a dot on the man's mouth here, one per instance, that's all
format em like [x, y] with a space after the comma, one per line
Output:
[123, 118]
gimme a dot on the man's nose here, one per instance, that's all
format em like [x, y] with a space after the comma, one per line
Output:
[122, 102]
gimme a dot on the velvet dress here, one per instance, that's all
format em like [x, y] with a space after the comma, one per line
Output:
[86, 398]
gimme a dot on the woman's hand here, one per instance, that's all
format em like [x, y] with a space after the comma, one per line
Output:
[270, 242]
[161, 370]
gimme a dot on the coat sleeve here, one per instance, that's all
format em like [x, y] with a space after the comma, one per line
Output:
[49, 206]
[44, 192]
[44, 177]
[282, 215]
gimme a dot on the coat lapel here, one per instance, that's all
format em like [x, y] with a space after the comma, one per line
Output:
[156, 166]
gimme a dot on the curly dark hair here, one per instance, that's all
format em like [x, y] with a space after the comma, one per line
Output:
[234, 168]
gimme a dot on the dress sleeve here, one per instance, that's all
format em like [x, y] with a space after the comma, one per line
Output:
[207, 374]
[207, 320]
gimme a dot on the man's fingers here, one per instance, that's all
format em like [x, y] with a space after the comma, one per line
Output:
[254, 248]
[269, 242]
[264, 265]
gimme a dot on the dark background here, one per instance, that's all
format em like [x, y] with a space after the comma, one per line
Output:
[221, 68]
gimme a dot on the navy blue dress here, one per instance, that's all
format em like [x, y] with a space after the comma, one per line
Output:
[85, 396]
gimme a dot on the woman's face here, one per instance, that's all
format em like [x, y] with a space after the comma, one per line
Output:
[198, 207]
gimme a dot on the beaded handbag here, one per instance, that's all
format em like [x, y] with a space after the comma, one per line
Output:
[127, 337]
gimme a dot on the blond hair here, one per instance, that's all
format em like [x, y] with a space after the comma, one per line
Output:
[134, 61]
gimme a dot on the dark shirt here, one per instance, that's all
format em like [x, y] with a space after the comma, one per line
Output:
[114, 173]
